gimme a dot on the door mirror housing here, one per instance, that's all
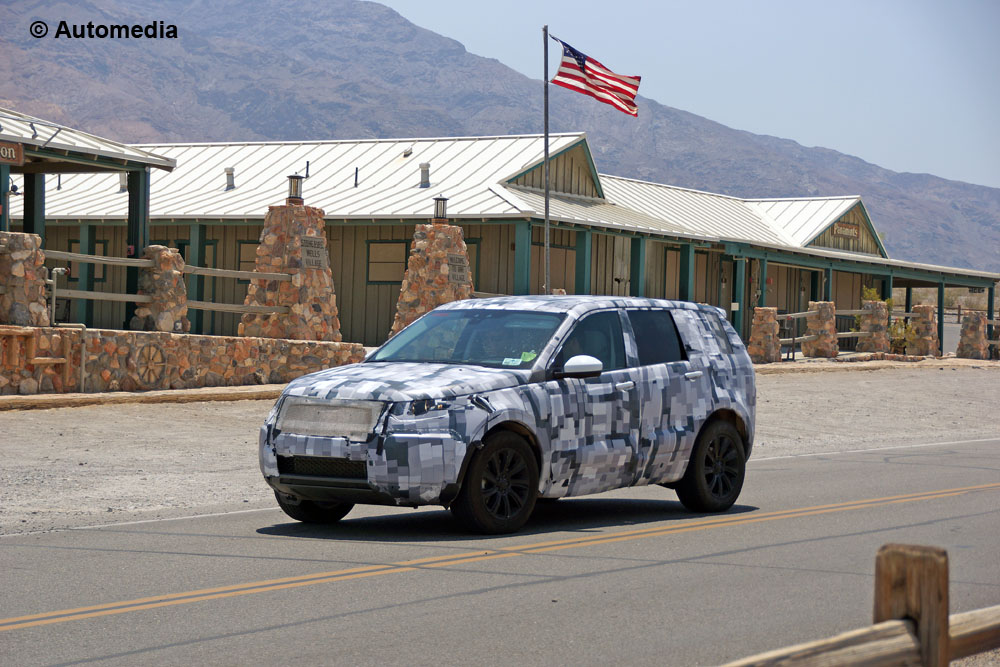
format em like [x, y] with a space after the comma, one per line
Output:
[581, 366]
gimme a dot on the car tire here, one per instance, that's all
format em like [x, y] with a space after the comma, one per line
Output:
[715, 474]
[500, 486]
[312, 511]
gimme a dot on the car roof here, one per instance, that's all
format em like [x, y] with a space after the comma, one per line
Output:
[572, 304]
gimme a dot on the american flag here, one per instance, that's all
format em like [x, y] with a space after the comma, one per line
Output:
[581, 73]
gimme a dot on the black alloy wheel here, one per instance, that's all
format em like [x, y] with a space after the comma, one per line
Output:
[500, 487]
[715, 474]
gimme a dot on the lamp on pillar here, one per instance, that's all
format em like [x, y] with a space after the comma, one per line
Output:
[440, 209]
[295, 190]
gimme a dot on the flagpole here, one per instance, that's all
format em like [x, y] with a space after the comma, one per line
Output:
[547, 288]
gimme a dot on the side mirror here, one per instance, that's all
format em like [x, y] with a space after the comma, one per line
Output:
[581, 366]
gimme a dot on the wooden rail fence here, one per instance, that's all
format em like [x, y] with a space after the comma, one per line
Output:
[911, 621]
[188, 270]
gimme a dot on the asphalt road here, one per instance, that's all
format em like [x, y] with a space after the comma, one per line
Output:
[626, 577]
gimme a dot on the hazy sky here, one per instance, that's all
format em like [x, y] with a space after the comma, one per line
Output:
[911, 85]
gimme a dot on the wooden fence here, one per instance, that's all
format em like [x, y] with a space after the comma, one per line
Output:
[911, 621]
[188, 270]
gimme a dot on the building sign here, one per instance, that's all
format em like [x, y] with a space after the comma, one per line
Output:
[314, 253]
[11, 153]
[848, 229]
[458, 268]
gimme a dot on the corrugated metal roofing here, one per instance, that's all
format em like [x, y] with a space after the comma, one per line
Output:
[463, 169]
[693, 211]
[803, 219]
[470, 171]
[24, 129]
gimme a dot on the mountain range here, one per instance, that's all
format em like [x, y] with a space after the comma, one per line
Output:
[346, 69]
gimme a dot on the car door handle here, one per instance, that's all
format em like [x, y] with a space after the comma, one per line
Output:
[693, 375]
[625, 386]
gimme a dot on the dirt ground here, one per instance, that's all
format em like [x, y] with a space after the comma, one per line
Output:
[101, 464]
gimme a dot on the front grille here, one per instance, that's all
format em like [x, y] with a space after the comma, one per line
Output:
[321, 466]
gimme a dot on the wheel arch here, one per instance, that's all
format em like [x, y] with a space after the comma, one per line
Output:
[510, 425]
[734, 418]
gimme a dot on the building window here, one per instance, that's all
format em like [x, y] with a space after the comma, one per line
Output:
[247, 258]
[387, 261]
[100, 248]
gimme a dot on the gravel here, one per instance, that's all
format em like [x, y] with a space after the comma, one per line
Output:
[71, 467]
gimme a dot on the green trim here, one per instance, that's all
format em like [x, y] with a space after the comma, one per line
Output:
[89, 160]
[590, 164]
[686, 279]
[637, 267]
[368, 263]
[739, 293]
[475, 271]
[92, 247]
[4, 199]
[33, 216]
[847, 266]
[828, 284]
[541, 244]
[584, 253]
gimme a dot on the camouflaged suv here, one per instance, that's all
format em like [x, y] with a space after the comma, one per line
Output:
[487, 405]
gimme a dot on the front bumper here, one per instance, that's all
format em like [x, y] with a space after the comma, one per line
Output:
[399, 469]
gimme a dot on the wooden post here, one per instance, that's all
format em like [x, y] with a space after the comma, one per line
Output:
[687, 277]
[522, 257]
[911, 582]
[584, 246]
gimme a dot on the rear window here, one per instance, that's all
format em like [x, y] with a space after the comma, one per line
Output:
[656, 337]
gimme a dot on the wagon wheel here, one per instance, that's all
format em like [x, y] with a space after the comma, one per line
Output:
[150, 363]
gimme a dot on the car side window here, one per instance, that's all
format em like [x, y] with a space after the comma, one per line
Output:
[720, 333]
[656, 337]
[598, 335]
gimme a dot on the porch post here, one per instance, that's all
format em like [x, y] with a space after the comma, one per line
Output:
[686, 286]
[33, 221]
[137, 236]
[637, 267]
[940, 319]
[584, 250]
[196, 284]
[739, 292]
[828, 284]
[4, 198]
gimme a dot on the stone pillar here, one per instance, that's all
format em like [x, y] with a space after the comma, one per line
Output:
[437, 272]
[164, 283]
[293, 241]
[822, 323]
[875, 321]
[765, 345]
[972, 344]
[923, 338]
[22, 280]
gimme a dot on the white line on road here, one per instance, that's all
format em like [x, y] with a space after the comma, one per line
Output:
[874, 449]
[272, 509]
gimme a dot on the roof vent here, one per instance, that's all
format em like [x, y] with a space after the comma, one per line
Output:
[425, 174]
[122, 181]
[230, 178]
[407, 152]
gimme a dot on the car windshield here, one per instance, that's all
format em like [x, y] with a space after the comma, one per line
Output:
[482, 337]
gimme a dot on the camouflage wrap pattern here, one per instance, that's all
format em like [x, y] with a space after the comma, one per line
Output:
[591, 434]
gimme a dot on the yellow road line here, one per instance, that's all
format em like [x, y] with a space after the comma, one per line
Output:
[285, 583]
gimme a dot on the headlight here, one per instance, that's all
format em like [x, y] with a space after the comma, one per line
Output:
[417, 408]
[354, 420]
